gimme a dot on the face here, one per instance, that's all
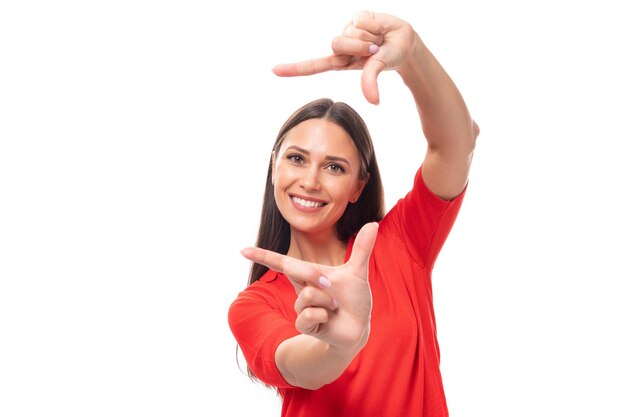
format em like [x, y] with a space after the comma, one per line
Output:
[315, 175]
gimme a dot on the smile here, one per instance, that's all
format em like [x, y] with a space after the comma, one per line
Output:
[307, 203]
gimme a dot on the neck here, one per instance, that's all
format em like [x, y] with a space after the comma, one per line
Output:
[325, 249]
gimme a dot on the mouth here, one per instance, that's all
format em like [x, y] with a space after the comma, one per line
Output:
[310, 203]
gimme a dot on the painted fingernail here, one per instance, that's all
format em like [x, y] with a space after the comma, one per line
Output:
[373, 48]
[324, 282]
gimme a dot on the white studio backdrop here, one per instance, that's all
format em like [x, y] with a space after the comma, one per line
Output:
[134, 141]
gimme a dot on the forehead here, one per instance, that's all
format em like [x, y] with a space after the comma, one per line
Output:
[321, 136]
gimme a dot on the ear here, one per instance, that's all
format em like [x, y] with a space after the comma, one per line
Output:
[359, 190]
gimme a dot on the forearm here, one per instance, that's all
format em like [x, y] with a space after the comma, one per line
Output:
[307, 362]
[446, 122]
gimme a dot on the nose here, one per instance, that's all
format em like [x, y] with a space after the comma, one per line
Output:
[310, 179]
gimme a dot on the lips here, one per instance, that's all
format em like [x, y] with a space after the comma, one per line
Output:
[310, 203]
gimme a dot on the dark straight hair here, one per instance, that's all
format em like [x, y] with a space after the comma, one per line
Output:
[274, 231]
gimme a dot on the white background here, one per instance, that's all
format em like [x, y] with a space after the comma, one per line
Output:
[134, 140]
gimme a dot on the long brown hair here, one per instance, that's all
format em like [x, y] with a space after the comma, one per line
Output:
[274, 231]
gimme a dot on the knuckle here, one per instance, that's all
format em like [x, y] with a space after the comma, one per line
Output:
[361, 35]
[286, 265]
[359, 16]
[302, 326]
[307, 295]
[308, 314]
[307, 317]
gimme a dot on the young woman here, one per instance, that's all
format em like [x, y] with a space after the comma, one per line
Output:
[343, 325]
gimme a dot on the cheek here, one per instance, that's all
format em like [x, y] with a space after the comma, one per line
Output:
[283, 176]
[342, 190]
[277, 174]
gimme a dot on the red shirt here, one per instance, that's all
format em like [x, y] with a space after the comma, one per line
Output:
[397, 372]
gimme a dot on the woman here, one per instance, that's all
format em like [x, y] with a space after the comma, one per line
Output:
[344, 326]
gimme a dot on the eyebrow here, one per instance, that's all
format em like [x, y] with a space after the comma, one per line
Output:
[327, 157]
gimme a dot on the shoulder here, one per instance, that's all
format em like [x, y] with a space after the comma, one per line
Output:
[420, 204]
[262, 304]
[420, 222]
[269, 289]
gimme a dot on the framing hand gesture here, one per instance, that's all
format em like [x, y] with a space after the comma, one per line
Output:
[334, 303]
[373, 42]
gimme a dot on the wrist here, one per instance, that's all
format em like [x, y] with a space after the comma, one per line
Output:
[349, 351]
[411, 65]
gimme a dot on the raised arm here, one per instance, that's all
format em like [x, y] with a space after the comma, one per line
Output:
[375, 42]
[447, 125]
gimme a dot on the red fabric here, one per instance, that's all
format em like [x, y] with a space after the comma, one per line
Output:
[397, 372]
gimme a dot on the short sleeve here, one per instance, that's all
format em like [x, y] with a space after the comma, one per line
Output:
[421, 221]
[259, 327]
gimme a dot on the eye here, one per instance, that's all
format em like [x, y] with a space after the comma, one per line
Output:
[336, 168]
[297, 158]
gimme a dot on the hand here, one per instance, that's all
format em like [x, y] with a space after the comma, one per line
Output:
[373, 42]
[334, 303]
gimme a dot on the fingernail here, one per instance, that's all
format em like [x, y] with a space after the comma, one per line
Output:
[373, 48]
[335, 304]
[324, 282]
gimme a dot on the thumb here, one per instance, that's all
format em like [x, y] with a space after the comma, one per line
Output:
[369, 79]
[363, 245]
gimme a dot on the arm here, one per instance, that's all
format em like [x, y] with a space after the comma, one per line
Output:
[307, 362]
[447, 125]
[375, 42]
[333, 314]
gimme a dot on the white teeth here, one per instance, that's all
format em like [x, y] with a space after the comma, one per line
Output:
[306, 203]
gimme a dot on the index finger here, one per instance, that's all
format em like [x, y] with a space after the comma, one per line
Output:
[270, 259]
[310, 67]
[299, 272]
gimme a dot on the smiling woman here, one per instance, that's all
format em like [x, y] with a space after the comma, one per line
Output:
[339, 293]
[311, 190]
